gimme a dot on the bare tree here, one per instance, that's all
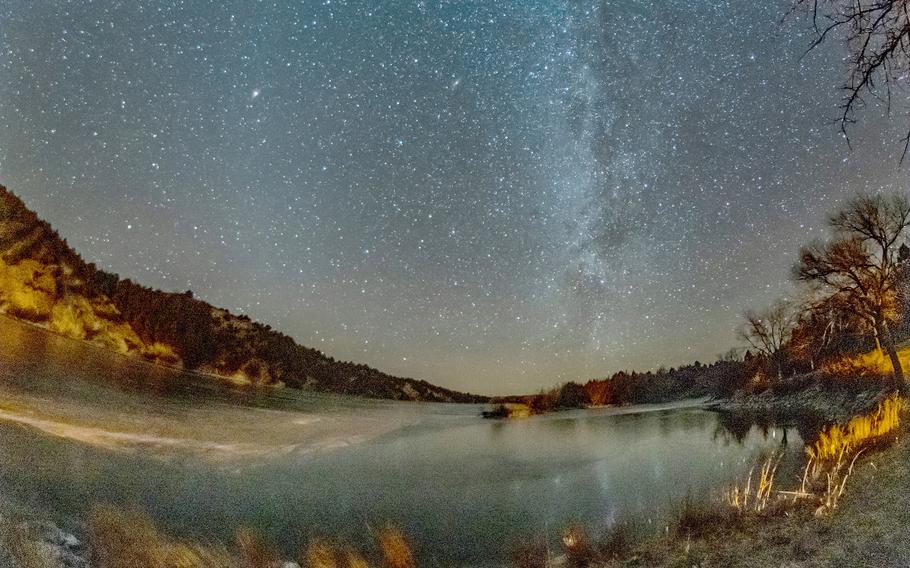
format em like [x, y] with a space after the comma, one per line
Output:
[767, 331]
[858, 267]
[877, 36]
[823, 319]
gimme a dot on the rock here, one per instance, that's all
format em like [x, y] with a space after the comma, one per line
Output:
[52, 534]
[55, 547]
[61, 556]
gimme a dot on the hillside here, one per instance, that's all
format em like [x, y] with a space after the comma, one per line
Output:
[43, 281]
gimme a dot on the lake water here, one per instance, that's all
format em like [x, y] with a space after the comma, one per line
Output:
[79, 426]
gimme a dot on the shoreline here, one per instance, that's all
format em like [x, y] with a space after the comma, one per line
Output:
[137, 357]
[867, 527]
[813, 402]
[703, 534]
[214, 378]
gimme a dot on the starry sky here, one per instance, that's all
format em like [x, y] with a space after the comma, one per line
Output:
[493, 196]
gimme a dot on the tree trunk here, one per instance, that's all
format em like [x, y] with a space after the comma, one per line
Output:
[888, 342]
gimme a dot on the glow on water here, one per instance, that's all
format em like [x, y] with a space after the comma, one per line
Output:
[80, 425]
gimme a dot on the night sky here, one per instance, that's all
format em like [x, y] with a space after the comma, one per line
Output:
[493, 196]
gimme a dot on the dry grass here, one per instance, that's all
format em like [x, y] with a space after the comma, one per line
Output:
[755, 496]
[872, 363]
[395, 548]
[254, 551]
[860, 431]
[122, 539]
[830, 461]
[129, 539]
[835, 483]
[321, 553]
[698, 518]
[353, 559]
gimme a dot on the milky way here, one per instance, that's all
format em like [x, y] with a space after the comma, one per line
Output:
[492, 196]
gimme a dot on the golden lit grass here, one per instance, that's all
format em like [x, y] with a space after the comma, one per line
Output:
[755, 495]
[160, 352]
[875, 362]
[836, 478]
[254, 551]
[29, 291]
[121, 539]
[395, 548]
[322, 553]
[129, 539]
[25, 290]
[838, 439]
[830, 461]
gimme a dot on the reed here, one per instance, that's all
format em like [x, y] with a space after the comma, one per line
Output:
[859, 431]
[755, 497]
[836, 483]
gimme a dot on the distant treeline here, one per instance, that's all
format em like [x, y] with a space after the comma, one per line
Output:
[44, 281]
[721, 378]
[846, 320]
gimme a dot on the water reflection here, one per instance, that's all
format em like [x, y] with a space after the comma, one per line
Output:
[316, 465]
[736, 427]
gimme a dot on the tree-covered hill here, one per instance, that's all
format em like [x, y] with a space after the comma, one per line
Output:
[43, 281]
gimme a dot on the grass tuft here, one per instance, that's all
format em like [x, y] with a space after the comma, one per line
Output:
[122, 539]
[395, 548]
[755, 496]
[254, 551]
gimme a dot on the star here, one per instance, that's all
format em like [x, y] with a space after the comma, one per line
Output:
[403, 186]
